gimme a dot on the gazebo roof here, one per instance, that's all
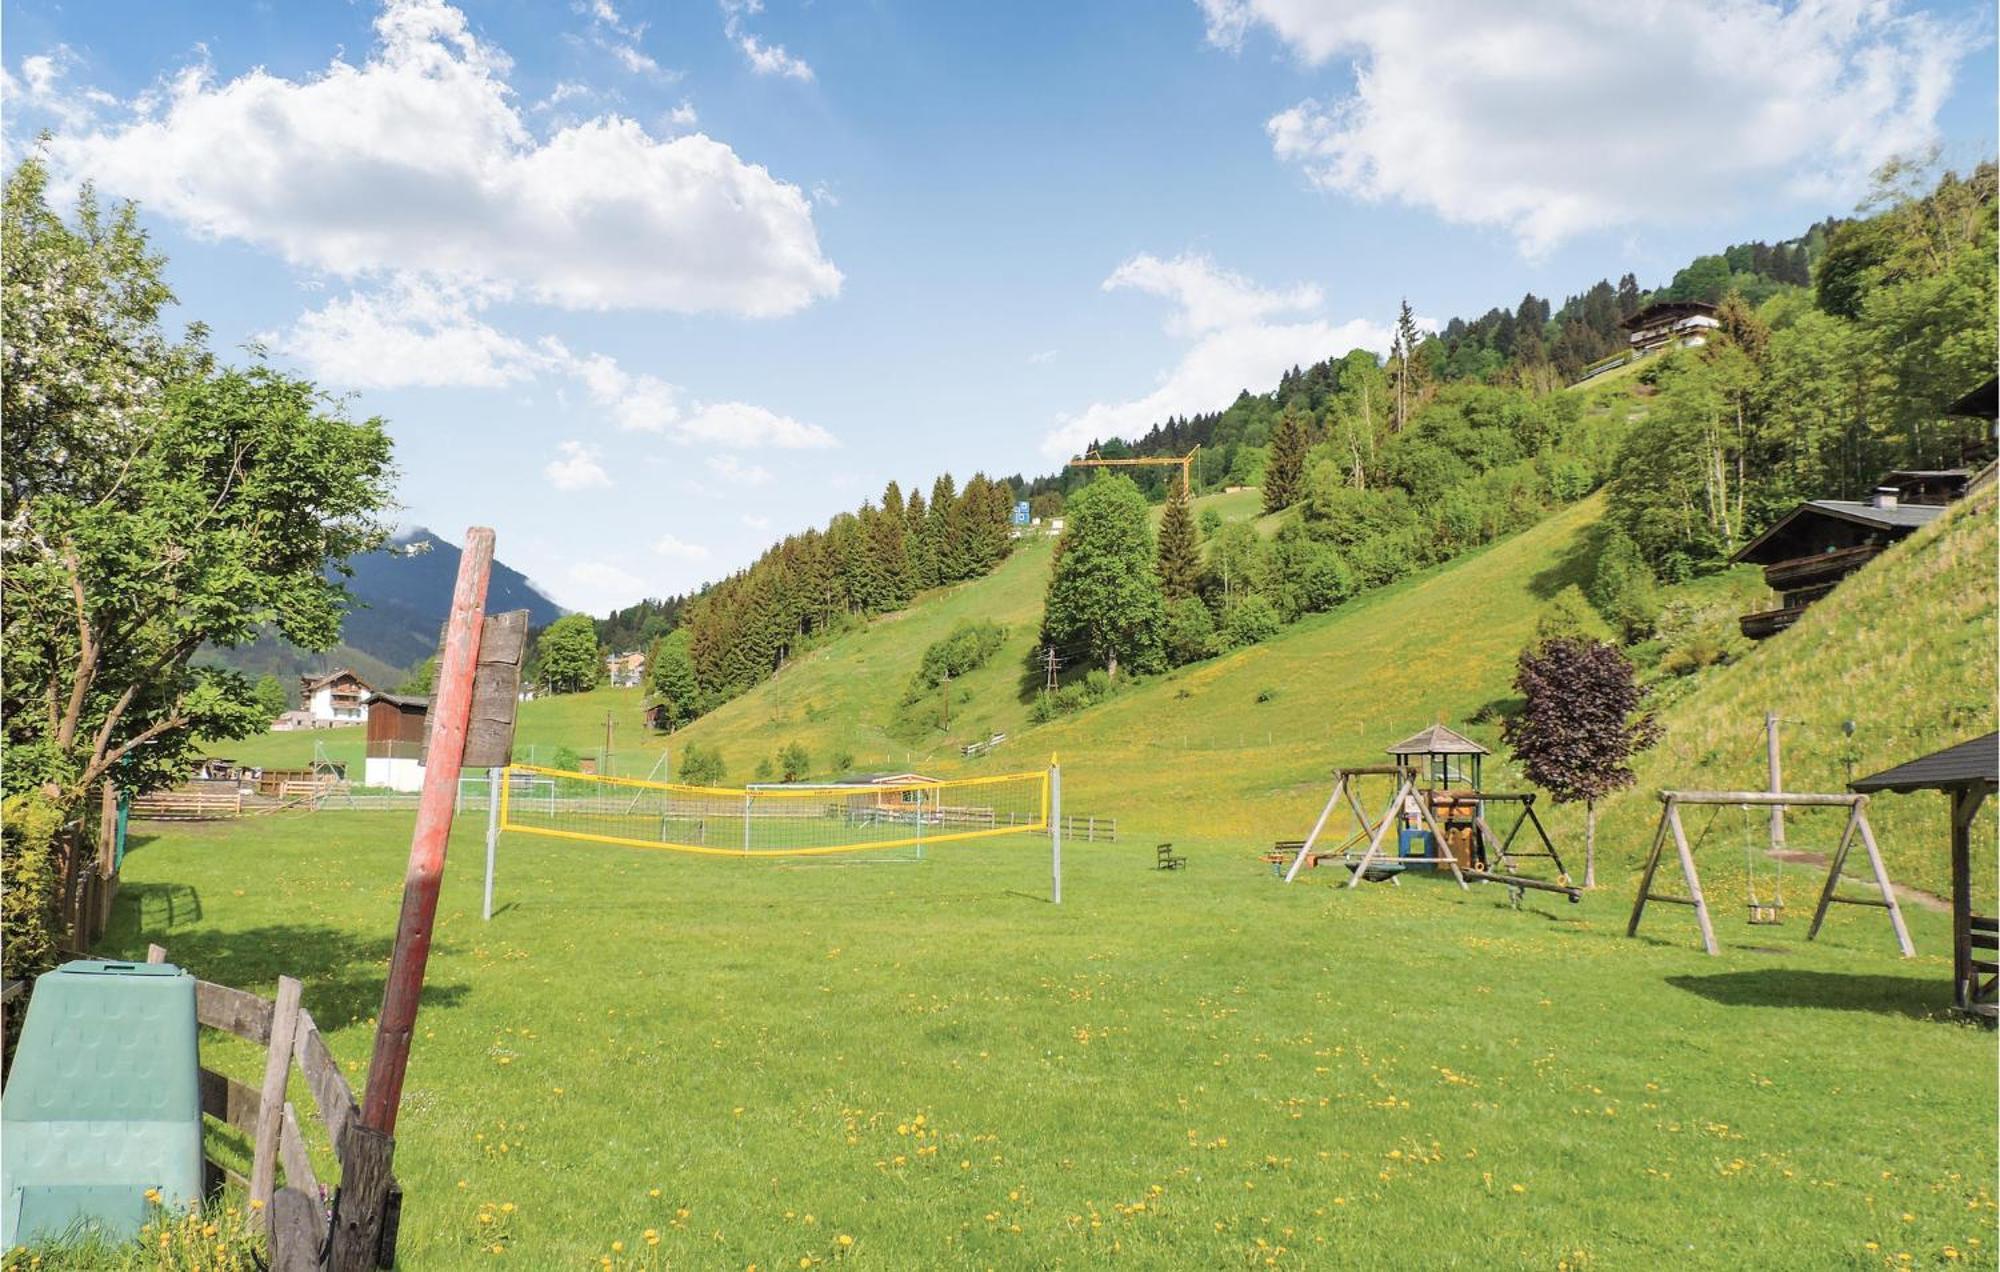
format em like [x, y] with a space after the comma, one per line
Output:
[1438, 740]
[1967, 764]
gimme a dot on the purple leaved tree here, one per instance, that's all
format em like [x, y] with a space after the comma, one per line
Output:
[1581, 726]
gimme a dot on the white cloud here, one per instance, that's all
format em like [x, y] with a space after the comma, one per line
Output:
[1206, 297]
[598, 587]
[39, 90]
[683, 115]
[736, 472]
[740, 424]
[1233, 347]
[756, 522]
[577, 466]
[416, 160]
[680, 549]
[765, 59]
[411, 334]
[1042, 357]
[1569, 116]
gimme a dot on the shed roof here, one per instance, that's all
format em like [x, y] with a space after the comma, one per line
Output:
[1438, 740]
[1967, 764]
[1983, 402]
[407, 701]
[1901, 517]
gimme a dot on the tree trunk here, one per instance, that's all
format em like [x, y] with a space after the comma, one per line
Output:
[1589, 843]
[1111, 667]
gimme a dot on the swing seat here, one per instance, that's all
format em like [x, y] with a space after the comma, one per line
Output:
[1378, 870]
[1767, 913]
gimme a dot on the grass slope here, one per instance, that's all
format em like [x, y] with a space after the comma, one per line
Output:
[753, 1061]
[1904, 648]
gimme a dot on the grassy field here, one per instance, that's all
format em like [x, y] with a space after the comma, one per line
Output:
[658, 1060]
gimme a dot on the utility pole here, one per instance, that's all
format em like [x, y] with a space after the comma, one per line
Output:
[1050, 662]
[610, 725]
[947, 700]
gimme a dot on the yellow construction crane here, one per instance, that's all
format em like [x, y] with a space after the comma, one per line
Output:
[1095, 460]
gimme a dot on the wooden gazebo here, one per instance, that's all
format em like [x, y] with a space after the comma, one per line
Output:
[1968, 773]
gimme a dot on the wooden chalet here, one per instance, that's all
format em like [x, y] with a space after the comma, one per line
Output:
[1810, 549]
[1967, 773]
[1670, 324]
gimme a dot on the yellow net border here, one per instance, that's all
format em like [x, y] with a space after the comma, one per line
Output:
[802, 820]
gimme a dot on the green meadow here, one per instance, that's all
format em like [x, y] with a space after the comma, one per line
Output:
[656, 1060]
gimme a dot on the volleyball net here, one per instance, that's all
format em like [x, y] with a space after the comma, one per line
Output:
[774, 820]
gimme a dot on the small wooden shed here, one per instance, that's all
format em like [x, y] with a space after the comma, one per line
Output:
[1967, 773]
[397, 728]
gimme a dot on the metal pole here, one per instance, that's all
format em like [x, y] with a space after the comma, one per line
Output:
[1777, 780]
[1055, 831]
[421, 883]
[492, 836]
[746, 821]
[920, 823]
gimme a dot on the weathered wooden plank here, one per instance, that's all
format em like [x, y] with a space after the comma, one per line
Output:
[233, 1011]
[271, 1101]
[294, 1157]
[496, 690]
[329, 1087]
[1765, 798]
[156, 953]
[296, 1231]
[230, 1101]
[365, 1158]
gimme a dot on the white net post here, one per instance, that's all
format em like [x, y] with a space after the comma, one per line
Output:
[1055, 831]
[493, 778]
[920, 823]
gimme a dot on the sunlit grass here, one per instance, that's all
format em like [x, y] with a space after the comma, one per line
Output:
[671, 1061]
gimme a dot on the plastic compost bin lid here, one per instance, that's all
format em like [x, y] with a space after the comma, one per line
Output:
[103, 1102]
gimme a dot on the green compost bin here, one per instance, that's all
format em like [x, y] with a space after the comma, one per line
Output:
[103, 1102]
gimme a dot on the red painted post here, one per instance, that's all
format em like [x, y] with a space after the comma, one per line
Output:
[451, 707]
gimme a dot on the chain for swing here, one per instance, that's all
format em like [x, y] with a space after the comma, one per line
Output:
[1763, 913]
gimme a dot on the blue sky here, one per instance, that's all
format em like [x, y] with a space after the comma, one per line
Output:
[644, 286]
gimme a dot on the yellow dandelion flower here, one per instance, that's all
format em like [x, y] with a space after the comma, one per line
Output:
[506, 1207]
[845, 1241]
[652, 1192]
[617, 1247]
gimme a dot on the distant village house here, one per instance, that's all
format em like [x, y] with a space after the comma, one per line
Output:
[334, 698]
[1670, 324]
[627, 670]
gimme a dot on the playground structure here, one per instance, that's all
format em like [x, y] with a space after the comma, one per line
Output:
[1441, 817]
[1670, 825]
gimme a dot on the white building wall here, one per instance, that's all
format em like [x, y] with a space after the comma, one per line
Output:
[397, 774]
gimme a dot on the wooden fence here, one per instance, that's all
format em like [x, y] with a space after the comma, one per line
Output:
[352, 1228]
[1089, 829]
[207, 802]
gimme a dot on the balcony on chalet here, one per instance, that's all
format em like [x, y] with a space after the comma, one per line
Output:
[1819, 543]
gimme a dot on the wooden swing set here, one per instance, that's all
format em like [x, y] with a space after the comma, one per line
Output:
[1412, 806]
[1765, 911]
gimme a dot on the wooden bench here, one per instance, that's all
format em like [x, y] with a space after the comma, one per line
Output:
[1164, 858]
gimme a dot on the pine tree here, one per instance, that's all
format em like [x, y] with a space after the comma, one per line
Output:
[1284, 467]
[945, 543]
[1408, 364]
[890, 548]
[1179, 558]
[922, 547]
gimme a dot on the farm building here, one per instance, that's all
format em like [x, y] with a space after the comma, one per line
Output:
[334, 698]
[1670, 324]
[395, 749]
[1813, 547]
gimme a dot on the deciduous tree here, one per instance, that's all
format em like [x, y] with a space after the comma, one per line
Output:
[1104, 598]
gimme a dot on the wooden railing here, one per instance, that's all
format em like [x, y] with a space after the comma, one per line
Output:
[355, 1226]
[1090, 829]
[189, 804]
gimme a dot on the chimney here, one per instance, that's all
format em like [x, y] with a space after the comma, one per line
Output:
[1884, 497]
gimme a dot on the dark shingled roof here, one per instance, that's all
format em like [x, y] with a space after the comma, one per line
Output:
[1967, 764]
[1438, 740]
[1982, 403]
[405, 700]
[1902, 517]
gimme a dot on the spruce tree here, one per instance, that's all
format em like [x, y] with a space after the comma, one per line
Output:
[890, 552]
[1284, 467]
[922, 546]
[945, 542]
[1179, 558]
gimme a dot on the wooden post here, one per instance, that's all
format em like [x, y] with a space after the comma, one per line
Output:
[156, 953]
[1693, 879]
[271, 1104]
[1339, 785]
[1652, 868]
[451, 710]
[1777, 779]
[363, 1198]
[1834, 867]
[1965, 803]
[1882, 879]
[1375, 840]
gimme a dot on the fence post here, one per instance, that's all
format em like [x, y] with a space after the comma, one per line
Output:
[271, 1103]
[359, 1207]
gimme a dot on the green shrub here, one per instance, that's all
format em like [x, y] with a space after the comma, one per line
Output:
[29, 830]
[794, 763]
[701, 766]
[967, 648]
[1251, 620]
[1190, 631]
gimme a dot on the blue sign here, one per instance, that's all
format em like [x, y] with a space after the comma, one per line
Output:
[1021, 513]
